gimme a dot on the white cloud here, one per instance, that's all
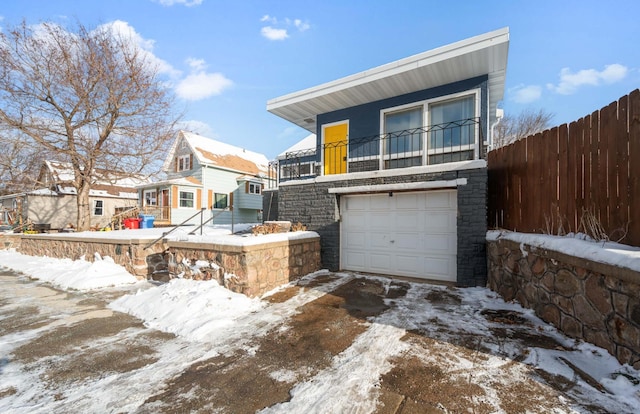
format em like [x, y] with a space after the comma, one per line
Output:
[278, 28]
[571, 81]
[126, 31]
[187, 3]
[302, 26]
[200, 84]
[525, 94]
[197, 127]
[274, 34]
[197, 64]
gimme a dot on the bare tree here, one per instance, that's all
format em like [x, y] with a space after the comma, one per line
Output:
[514, 127]
[90, 97]
[19, 164]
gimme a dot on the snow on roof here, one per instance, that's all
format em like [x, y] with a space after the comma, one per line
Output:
[219, 154]
[306, 144]
[188, 181]
[62, 172]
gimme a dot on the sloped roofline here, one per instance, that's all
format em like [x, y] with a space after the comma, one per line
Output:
[485, 54]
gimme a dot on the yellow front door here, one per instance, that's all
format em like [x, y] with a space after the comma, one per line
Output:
[335, 148]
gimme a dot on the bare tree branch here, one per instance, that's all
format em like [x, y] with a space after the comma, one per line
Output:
[89, 97]
[515, 127]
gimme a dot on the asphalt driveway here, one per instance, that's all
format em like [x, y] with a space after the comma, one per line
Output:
[425, 349]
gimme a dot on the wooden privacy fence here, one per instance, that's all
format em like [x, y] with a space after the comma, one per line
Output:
[549, 179]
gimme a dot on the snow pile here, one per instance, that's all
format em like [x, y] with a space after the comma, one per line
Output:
[67, 273]
[577, 245]
[189, 308]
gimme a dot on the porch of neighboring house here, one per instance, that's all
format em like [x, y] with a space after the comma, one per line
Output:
[156, 202]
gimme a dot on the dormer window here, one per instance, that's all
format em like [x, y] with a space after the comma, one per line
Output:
[184, 163]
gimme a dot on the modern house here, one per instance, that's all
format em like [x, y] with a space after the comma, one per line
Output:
[396, 182]
[224, 180]
[55, 204]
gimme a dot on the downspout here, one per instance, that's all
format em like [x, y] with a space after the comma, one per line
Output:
[499, 116]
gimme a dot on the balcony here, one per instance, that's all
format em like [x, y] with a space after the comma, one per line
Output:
[436, 144]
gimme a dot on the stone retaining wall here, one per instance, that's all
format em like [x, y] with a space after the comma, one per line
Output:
[129, 253]
[596, 302]
[9, 241]
[251, 269]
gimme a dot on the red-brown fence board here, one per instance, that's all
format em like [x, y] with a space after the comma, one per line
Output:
[633, 236]
[592, 163]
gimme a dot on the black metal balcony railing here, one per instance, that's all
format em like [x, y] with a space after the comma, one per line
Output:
[436, 144]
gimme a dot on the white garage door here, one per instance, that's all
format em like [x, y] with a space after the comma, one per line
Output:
[406, 234]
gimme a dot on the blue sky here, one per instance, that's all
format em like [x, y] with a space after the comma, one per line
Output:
[225, 59]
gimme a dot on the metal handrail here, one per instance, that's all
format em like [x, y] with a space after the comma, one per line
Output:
[166, 233]
[211, 219]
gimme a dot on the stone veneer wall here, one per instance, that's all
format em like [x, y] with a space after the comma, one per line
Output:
[253, 269]
[9, 241]
[596, 302]
[250, 269]
[130, 254]
[311, 204]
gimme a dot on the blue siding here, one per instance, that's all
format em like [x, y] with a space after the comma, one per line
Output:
[364, 120]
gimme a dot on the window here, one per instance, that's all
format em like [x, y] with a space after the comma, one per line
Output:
[296, 170]
[254, 188]
[220, 200]
[184, 163]
[186, 199]
[403, 138]
[150, 198]
[452, 132]
[446, 128]
[98, 207]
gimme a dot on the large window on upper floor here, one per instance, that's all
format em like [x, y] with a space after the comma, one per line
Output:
[403, 137]
[452, 134]
[431, 132]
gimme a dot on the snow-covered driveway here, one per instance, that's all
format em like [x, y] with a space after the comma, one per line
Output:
[331, 343]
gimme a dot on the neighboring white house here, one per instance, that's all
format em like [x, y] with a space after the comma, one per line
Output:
[224, 180]
[55, 206]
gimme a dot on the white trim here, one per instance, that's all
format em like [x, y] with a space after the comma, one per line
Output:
[93, 210]
[383, 188]
[322, 144]
[485, 54]
[193, 199]
[477, 113]
[426, 121]
[396, 172]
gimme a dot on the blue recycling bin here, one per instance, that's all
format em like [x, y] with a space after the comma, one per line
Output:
[146, 221]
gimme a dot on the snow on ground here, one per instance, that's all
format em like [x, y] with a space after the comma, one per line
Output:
[215, 234]
[67, 273]
[206, 313]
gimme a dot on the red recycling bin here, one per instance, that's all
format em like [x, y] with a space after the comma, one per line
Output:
[131, 223]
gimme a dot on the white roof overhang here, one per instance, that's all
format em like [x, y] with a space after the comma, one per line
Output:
[485, 54]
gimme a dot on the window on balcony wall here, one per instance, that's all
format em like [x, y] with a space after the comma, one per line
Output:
[186, 199]
[184, 163]
[150, 198]
[403, 137]
[452, 134]
[98, 207]
[254, 188]
[447, 127]
[295, 170]
[220, 200]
